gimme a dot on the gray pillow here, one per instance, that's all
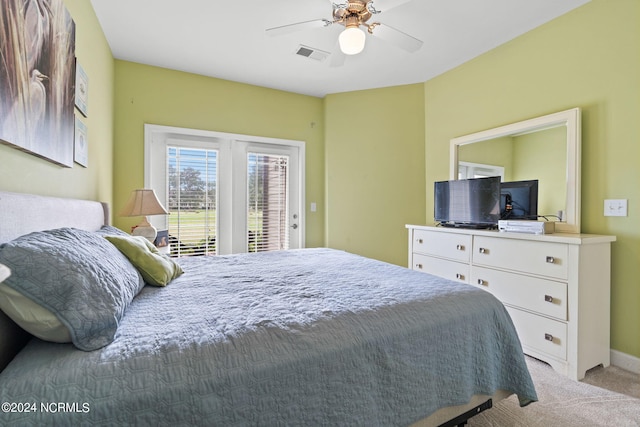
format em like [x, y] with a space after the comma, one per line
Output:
[77, 275]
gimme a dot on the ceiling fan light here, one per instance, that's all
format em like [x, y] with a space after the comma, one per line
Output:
[352, 40]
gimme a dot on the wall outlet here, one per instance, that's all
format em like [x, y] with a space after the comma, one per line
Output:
[615, 207]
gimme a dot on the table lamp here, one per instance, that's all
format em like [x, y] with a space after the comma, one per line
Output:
[144, 202]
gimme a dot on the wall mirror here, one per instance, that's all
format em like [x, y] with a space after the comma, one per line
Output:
[546, 148]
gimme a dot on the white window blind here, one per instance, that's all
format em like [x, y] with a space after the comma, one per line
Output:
[267, 189]
[193, 200]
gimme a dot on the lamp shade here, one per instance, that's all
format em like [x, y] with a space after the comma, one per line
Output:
[352, 40]
[143, 202]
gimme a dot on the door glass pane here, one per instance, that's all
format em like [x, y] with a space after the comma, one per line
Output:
[192, 200]
[268, 201]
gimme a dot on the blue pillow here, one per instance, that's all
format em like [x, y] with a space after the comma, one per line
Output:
[78, 276]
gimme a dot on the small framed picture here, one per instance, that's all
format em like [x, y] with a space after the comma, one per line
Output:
[82, 90]
[81, 147]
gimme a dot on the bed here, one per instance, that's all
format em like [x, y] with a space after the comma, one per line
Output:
[303, 337]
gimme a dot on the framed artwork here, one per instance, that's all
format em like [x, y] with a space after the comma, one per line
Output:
[162, 242]
[81, 148]
[82, 89]
[37, 77]
[162, 238]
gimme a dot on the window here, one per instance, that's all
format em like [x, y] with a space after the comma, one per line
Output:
[226, 193]
[467, 170]
[267, 189]
[192, 200]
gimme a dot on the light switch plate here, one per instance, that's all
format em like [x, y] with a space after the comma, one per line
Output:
[615, 207]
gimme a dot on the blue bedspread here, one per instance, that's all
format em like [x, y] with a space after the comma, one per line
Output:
[313, 337]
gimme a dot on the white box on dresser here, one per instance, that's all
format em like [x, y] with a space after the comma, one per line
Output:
[556, 287]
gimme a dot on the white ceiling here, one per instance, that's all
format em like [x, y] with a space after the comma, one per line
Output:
[227, 39]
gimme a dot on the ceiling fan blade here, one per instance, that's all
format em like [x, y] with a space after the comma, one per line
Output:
[298, 26]
[397, 37]
[385, 5]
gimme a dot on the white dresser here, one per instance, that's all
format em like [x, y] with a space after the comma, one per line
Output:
[556, 287]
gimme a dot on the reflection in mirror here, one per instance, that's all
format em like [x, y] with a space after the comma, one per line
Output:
[545, 148]
[537, 155]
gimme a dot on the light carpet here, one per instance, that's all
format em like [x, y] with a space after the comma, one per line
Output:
[562, 403]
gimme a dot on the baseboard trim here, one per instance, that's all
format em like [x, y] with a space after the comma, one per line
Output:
[625, 361]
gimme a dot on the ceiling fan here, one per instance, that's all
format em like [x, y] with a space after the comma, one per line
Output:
[353, 15]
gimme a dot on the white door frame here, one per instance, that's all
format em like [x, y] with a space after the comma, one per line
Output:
[160, 134]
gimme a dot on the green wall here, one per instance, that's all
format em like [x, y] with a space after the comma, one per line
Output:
[588, 58]
[152, 95]
[374, 170]
[25, 173]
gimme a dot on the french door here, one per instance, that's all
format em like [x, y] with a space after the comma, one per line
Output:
[226, 193]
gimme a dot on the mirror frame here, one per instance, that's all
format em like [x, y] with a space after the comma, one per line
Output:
[568, 118]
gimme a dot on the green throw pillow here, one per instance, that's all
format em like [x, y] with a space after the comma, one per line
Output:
[156, 269]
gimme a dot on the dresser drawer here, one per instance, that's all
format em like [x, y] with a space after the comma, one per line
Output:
[531, 293]
[540, 333]
[445, 245]
[441, 267]
[542, 258]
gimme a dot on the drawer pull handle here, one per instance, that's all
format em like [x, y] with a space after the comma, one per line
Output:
[548, 298]
[482, 282]
[483, 250]
[459, 276]
[551, 260]
[420, 241]
[548, 337]
[419, 266]
[460, 247]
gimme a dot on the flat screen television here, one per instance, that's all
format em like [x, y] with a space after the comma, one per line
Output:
[519, 200]
[468, 203]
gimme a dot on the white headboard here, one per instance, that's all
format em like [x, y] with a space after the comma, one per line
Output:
[25, 213]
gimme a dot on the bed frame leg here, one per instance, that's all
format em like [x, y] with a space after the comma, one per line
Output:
[461, 420]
